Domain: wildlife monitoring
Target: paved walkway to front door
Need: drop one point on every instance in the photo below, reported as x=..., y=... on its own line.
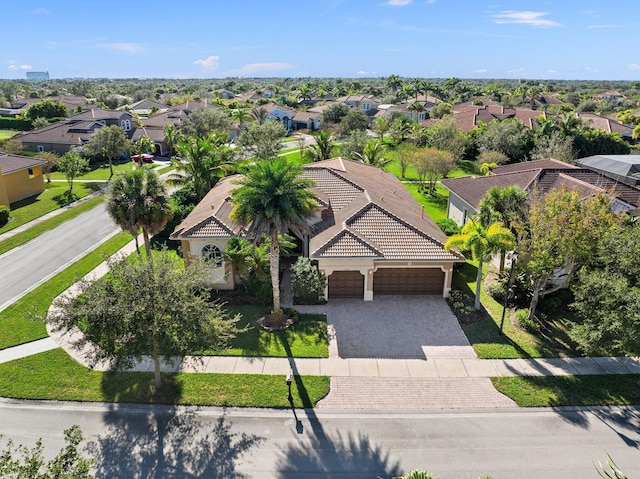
x=393, y=327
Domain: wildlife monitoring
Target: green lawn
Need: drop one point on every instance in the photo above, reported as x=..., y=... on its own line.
x=18, y=322
x=51, y=223
x=101, y=171
x=53, y=375
x=6, y=134
x=435, y=206
x=55, y=196
x=305, y=339
x=598, y=390
x=485, y=336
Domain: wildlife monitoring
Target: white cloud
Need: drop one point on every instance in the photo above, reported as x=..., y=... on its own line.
x=210, y=63
x=480, y=70
x=258, y=68
x=362, y=72
x=430, y=2
x=525, y=18
x=130, y=48
x=634, y=67
x=398, y=3
x=591, y=27
x=516, y=72
x=591, y=69
x=551, y=70
x=20, y=67
x=40, y=11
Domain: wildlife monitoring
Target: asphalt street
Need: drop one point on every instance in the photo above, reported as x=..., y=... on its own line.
x=25, y=267
x=168, y=442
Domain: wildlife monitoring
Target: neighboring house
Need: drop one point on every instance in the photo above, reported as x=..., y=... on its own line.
x=367, y=103
x=61, y=136
x=283, y=114
x=309, y=120
x=609, y=96
x=20, y=178
x=465, y=193
x=607, y=124
x=145, y=107
x=624, y=168
x=468, y=117
x=224, y=93
x=369, y=236
x=72, y=102
x=384, y=110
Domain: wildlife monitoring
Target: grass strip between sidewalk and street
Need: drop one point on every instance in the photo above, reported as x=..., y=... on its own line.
x=38, y=229
x=16, y=323
x=587, y=390
x=53, y=375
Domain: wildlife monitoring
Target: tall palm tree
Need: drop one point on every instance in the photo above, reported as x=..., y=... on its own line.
x=417, y=108
x=273, y=199
x=240, y=115
x=323, y=146
x=139, y=200
x=201, y=161
x=482, y=243
x=509, y=205
x=143, y=145
x=393, y=82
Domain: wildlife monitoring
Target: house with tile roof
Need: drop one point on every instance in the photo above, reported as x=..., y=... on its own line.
x=625, y=168
x=369, y=236
x=465, y=193
x=61, y=136
x=20, y=178
x=469, y=116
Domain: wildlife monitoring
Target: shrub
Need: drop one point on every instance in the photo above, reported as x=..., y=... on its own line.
x=448, y=226
x=496, y=290
x=307, y=282
x=530, y=325
x=4, y=215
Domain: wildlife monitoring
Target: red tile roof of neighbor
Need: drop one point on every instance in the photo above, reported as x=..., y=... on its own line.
x=545, y=175
x=371, y=214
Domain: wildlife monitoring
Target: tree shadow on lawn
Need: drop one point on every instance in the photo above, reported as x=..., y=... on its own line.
x=168, y=442
x=311, y=329
x=327, y=457
x=138, y=387
x=63, y=199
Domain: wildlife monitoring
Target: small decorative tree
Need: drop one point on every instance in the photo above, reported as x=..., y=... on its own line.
x=307, y=282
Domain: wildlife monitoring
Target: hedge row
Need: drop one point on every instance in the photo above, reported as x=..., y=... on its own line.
x=9, y=123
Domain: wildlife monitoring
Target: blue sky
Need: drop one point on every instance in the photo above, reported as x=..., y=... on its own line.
x=559, y=39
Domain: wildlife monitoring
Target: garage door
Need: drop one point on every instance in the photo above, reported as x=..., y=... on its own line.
x=346, y=284
x=408, y=281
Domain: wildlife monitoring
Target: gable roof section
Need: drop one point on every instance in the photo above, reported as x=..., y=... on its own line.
x=13, y=163
x=347, y=244
x=532, y=165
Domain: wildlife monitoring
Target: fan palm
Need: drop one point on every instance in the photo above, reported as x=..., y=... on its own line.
x=139, y=200
x=373, y=154
x=323, y=146
x=273, y=199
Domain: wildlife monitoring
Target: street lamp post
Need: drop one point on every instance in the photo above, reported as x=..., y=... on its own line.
x=507, y=288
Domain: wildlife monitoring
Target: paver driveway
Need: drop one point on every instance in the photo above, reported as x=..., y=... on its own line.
x=396, y=327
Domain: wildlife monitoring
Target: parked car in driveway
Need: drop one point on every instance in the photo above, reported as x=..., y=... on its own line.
x=142, y=158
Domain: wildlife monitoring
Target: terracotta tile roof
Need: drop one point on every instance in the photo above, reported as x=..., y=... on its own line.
x=347, y=244
x=366, y=213
x=395, y=238
x=13, y=163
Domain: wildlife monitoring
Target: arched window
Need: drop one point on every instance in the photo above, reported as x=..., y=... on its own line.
x=212, y=255
x=126, y=125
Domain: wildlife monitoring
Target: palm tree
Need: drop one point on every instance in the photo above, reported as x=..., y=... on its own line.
x=139, y=200
x=393, y=82
x=273, y=199
x=380, y=126
x=144, y=145
x=323, y=146
x=482, y=243
x=509, y=205
x=171, y=137
x=260, y=114
x=373, y=154
x=417, y=108
x=202, y=161
x=240, y=115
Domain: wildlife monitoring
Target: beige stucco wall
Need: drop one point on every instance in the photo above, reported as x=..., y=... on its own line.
x=19, y=185
x=4, y=197
x=221, y=277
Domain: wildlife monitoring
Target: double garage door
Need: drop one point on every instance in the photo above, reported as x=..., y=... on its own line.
x=350, y=284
